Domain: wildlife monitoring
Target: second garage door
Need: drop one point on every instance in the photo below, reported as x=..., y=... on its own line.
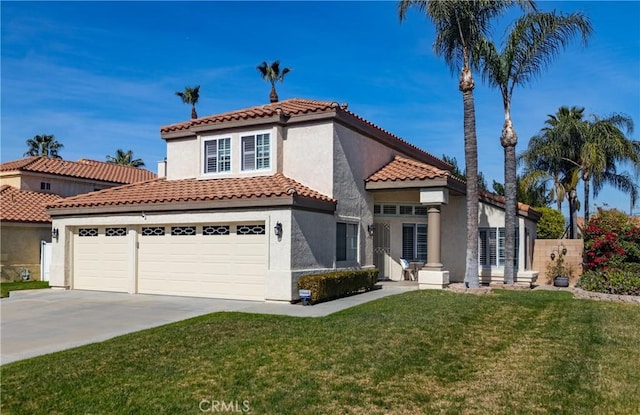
x=217, y=261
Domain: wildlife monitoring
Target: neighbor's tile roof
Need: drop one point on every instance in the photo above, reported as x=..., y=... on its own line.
x=401, y=168
x=289, y=107
x=191, y=190
x=500, y=200
x=22, y=206
x=83, y=168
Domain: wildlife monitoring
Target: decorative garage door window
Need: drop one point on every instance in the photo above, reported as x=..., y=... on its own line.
x=115, y=232
x=250, y=230
x=153, y=231
x=211, y=230
x=183, y=230
x=88, y=232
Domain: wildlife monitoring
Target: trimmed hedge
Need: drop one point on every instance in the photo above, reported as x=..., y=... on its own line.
x=338, y=284
x=611, y=282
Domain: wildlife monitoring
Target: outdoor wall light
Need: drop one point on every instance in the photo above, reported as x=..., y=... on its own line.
x=278, y=229
x=371, y=229
x=55, y=234
x=561, y=249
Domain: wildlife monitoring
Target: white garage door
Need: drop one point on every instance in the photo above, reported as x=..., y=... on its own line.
x=100, y=259
x=217, y=261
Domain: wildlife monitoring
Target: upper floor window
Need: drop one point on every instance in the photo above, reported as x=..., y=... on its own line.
x=45, y=186
x=256, y=152
x=217, y=155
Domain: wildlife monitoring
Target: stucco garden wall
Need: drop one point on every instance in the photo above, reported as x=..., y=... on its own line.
x=20, y=248
x=541, y=256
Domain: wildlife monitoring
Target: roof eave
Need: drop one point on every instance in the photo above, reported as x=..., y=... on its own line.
x=236, y=203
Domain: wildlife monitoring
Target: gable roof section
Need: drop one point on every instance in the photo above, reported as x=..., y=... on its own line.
x=22, y=206
x=523, y=209
x=82, y=169
x=402, y=172
x=401, y=168
x=164, y=193
x=294, y=108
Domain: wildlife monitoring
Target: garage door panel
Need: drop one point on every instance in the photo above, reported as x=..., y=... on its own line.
x=217, y=266
x=100, y=262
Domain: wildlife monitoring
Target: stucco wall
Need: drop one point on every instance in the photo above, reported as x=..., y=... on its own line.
x=454, y=237
x=62, y=186
x=20, y=248
x=183, y=158
x=542, y=251
x=313, y=237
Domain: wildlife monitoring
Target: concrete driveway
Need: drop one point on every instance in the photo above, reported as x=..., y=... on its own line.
x=38, y=322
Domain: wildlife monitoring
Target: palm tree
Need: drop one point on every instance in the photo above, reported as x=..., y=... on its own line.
x=272, y=74
x=125, y=158
x=44, y=145
x=532, y=42
x=190, y=96
x=460, y=27
x=587, y=150
x=550, y=152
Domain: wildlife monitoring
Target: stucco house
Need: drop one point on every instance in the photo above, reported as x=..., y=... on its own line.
x=252, y=199
x=27, y=186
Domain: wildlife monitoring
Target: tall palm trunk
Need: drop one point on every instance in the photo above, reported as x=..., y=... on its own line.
x=273, y=96
x=466, y=85
x=587, y=188
x=509, y=140
x=573, y=214
x=194, y=114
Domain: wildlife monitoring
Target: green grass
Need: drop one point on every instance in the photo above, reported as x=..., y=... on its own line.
x=5, y=287
x=422, y=352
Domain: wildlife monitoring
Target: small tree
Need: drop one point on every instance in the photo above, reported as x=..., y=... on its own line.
x=551, y=223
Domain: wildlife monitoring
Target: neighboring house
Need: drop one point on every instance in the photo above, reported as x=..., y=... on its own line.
x=255, y=198
x=25, y=223
x=27, y=186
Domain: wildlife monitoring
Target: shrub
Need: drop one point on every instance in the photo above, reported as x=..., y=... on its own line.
x=611, y=282
x=337, y=284
x=611, y=242
x=551, y=223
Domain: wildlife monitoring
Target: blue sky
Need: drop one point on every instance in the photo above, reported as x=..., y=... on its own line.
x=102, y=75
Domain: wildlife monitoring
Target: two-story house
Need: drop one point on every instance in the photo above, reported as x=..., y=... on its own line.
x=252, y=199
x=27, y=186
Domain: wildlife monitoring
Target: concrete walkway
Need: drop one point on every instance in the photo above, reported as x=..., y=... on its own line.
x=38, y=322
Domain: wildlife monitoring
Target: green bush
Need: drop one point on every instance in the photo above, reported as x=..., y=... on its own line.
x=611, y=282
x=550, y=225
x=337, y=284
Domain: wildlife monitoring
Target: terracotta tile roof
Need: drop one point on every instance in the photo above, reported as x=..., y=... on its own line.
x=401, y=168
x=500, y=200
x=290, y=107
x=22, y=206
x=191, y=190
x=83, y=168
x=294, y=106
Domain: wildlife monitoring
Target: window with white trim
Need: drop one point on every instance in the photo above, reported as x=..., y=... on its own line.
x=414, y=242
x=346, y=241
x=491, y=247
x=217, y=155
x=256, y=151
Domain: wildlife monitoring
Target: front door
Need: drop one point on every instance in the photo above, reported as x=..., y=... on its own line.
x=382, y=249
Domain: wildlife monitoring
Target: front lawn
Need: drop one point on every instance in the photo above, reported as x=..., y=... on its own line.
x=5, y=287
x=421, y=352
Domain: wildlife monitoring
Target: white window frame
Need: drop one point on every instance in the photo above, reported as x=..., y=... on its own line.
x=491, y=241
x=257, y=157
x=220, y=157
x=419, y=248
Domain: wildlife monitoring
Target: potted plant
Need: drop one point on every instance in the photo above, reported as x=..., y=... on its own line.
x=558, y=271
